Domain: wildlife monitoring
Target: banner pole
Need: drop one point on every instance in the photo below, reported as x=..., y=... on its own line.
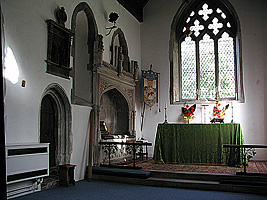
x=143, y=116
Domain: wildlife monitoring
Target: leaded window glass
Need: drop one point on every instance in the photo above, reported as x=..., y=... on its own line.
x=207, y=51
x=207, y=67
x=188, y=56
x=226, y=66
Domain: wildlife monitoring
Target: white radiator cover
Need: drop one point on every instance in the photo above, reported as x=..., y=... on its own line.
x=26, y=161
x=26, y=164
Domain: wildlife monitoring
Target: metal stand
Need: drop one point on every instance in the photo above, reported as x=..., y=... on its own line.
x=165, y=122
x=205, y=114
x=232, y=121
x=111, y=147
x=248, y=152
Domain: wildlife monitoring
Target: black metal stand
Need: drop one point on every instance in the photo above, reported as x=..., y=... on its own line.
x=248, y=152
x=111, y=147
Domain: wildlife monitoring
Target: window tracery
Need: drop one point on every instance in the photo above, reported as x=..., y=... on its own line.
x=205, y=53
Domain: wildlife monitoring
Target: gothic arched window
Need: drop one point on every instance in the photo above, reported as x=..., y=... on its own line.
x=205, y=52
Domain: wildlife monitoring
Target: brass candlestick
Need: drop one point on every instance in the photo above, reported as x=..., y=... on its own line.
x=165, y=122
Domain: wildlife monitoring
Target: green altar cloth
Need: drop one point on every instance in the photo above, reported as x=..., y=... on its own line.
x=198, y=143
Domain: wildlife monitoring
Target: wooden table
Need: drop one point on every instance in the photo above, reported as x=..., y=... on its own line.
x=133, y=145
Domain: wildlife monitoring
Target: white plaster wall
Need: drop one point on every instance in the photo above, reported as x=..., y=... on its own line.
x=155, y=35
x=252, y=114
x=26, y=35
x=81, y=133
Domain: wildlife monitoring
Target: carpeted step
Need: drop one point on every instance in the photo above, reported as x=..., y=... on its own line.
x=189, y=181
x=207, y=185
x=244, y=182
x=121, y=172
x=187, y=175
x=182, y=183
x=205, y=176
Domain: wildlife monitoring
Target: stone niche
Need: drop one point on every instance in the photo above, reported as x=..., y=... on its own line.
x=116, y=110
x=114, y=114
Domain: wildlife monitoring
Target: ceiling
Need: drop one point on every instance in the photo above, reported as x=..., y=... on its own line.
x=135, y=7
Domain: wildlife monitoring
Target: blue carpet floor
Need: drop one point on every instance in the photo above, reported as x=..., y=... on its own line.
x=101, y=190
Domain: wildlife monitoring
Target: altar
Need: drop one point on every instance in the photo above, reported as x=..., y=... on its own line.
x=198, y=144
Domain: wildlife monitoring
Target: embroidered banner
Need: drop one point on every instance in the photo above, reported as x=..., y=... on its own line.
x=150, y=87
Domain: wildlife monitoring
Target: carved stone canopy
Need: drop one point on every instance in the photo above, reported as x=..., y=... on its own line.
x=114, y=99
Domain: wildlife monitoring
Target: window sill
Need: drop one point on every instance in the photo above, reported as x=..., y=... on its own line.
x=205, y=101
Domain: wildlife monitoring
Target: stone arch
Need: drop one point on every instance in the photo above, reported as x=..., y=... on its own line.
x=63, y=110
x=82, y=67
x=115, y=111
x=92, y=34
x=120, y=91
x=119, y=35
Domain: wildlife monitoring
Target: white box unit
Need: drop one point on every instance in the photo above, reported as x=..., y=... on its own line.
x=26, y=162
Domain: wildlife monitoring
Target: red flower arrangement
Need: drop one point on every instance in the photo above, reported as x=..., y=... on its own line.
x=188, y=31
x=188, y=112
x=218, y=111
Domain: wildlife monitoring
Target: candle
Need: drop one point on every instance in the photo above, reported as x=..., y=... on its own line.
x=166, y=105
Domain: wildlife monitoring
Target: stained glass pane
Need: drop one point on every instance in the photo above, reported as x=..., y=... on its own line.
x=188, y=58
x=226, y=67
x=207, y=68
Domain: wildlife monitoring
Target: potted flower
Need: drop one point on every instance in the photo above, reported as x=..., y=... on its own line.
x=188, y=112
x=219, y=112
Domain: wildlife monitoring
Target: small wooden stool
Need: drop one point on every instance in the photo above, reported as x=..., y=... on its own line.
x=66, y=174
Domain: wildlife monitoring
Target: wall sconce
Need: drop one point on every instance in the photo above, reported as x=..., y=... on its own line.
x=112, y=19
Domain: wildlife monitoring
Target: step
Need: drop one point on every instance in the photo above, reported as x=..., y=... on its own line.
x=206, y=185
x=183, y=181
x=121, y=172
x=188, y=180
x=206, y=176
